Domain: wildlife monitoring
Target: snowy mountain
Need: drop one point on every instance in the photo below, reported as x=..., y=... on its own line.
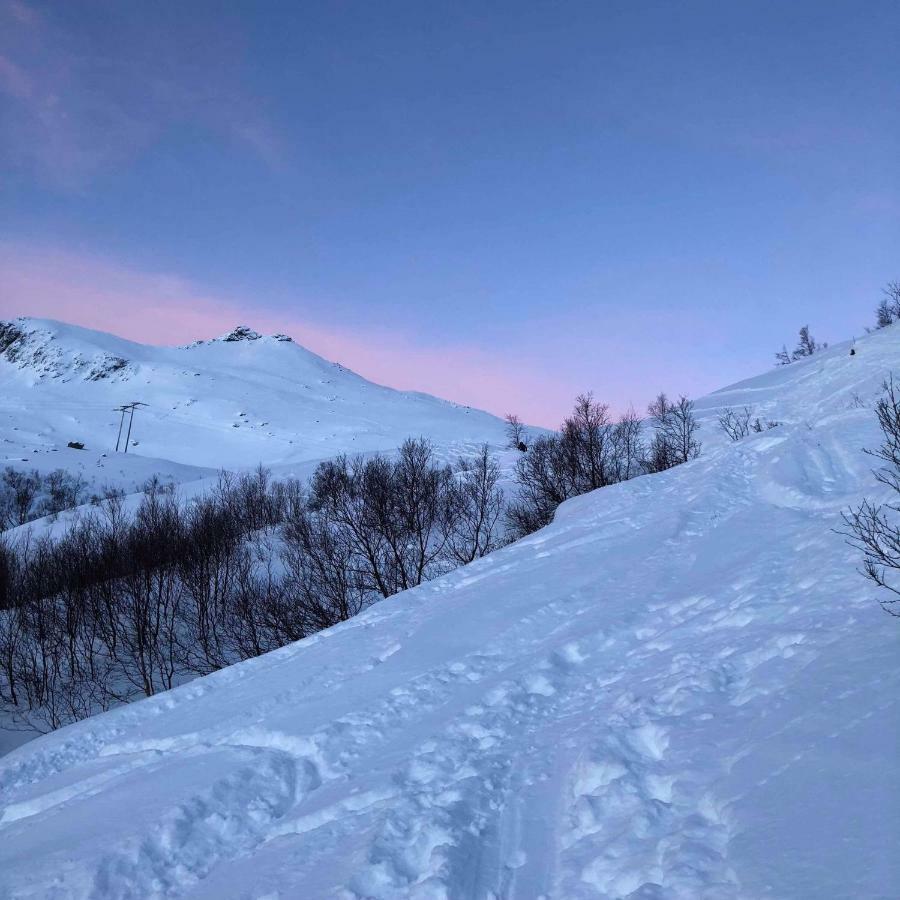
x=680, y=689
x=230, y=402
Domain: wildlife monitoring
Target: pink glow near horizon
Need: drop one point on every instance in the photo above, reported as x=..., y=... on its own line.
x=168, y=310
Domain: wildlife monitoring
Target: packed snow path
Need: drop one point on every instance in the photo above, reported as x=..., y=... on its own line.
x=681, y=689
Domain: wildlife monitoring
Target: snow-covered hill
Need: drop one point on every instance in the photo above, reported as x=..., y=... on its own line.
x=680, y=689
x=231, y=402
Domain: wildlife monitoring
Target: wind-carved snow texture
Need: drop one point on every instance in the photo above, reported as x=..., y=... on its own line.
x=680, y=689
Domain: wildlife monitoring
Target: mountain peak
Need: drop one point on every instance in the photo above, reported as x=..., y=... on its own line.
x=241, y=333
x=246, y=333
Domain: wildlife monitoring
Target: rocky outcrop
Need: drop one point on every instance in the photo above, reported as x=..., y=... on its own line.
x=38, y=350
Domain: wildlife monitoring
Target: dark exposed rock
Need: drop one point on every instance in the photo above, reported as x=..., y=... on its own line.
x=106, y=367
x=10, y=333
x=242, y=333
x=38, y=350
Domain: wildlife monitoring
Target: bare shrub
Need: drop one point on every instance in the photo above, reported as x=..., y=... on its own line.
x=477, y=509
x=888, y=310
x=871, y=527
x=20, y=491
x=515, y=432
x=737, y=424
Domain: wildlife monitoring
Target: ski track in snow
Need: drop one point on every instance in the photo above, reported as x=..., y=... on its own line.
x=680, y=689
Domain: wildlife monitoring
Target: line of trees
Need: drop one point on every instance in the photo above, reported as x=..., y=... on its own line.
x=592, y=451
x=133, y=599
x=129, y=603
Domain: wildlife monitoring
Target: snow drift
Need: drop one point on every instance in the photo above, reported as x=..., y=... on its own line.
x=680, y=689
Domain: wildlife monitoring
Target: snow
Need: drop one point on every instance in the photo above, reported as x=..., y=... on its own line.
x=680, y=689
x=231, y=403
x=228, y=403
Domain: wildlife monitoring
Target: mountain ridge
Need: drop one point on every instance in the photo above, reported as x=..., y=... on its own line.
x=232, y=401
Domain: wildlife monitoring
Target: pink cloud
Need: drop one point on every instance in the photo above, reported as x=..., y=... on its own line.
x=165, y=309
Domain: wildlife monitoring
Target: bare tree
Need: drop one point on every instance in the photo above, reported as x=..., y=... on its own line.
x=587, y=444
x=871, y=527
x=515, y=432
x=628, y=449
x=543, y=481
x=21, y=491
x=783, y=357
x=477, y=505
x=325, y=581
x=63, y=490
x=888, y=310
x=590, y=452
x=675, y=441
x=884, y=314
x=404, y=521
x=806, y=344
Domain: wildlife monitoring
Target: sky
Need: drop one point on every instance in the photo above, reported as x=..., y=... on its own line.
x=502, y=203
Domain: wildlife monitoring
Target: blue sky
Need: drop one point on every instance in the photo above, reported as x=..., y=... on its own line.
x=502, y=203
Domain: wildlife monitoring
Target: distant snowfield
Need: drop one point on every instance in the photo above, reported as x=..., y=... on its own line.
x=680, y=689
x=228, y=403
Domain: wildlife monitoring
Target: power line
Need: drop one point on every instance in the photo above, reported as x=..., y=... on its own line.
x=120, y=409
x=129, y=408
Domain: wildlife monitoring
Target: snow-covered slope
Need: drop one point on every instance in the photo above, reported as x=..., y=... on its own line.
x=680, y=689
x=234, y=401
